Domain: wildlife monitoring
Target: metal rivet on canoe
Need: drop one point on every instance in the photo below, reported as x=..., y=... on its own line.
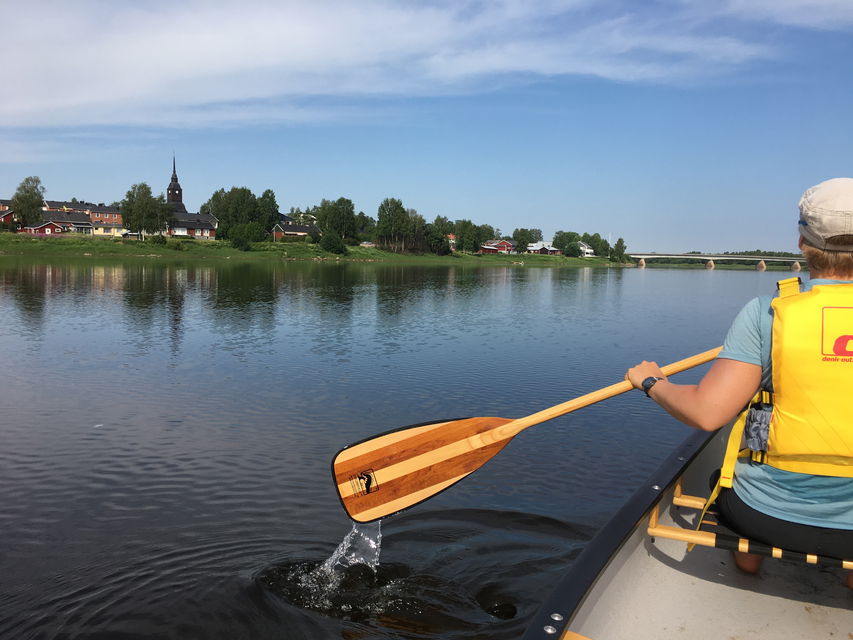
x=550, y=629
x=556, y=616
x=656, y=487
x=681, y=458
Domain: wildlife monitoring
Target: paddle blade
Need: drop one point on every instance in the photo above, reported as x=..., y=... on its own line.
x=397, y=470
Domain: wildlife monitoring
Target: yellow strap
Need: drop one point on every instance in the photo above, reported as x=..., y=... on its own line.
x=788, y=287
x=733, y=452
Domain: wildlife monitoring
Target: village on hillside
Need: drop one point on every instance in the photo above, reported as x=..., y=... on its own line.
x=62, y=217
x=58, y=217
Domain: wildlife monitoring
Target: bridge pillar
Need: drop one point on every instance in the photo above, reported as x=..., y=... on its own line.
x=642, y=263
x=796, y=267
x=761, y=266
x=710, y=264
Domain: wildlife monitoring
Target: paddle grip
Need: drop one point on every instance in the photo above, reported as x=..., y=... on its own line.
x=510, y=429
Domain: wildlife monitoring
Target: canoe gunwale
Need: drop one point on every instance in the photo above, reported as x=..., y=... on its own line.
x=556, y=612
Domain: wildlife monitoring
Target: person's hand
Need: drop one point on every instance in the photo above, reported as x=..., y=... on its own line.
x=637, y=374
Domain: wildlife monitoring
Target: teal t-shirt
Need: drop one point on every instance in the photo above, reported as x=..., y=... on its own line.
x=821, y=501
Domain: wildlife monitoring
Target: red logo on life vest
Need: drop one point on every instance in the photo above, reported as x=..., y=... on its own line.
x=837, y=334
x=842, y=346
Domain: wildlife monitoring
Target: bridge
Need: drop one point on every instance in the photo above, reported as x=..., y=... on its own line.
x=711, y=259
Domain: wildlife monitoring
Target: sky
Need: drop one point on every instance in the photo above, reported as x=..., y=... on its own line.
x=677, y=125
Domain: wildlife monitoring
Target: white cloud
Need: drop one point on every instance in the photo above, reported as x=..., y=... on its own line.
x=211, y=63
x=820, y=14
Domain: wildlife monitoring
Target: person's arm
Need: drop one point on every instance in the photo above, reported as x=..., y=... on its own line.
x=719, y=396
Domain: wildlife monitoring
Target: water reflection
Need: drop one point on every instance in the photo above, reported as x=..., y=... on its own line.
x=167, y=431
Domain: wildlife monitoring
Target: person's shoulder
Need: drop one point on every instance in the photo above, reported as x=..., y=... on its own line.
x=758, y=306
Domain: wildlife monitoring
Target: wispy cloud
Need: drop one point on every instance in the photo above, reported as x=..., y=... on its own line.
x=204, y=63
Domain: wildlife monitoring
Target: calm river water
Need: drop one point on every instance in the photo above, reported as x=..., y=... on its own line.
x=167, y=432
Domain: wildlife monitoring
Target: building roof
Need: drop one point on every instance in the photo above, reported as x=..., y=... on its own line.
x=74, y=218
x=537, y=246
x=63, y=205
x=43, y=223
x=296, y=228
x=194, y=220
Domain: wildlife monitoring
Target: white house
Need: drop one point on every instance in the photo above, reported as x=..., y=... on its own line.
x=586, y=250
x=544, y=248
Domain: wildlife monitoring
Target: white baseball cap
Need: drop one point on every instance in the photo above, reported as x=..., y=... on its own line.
x=826, y=213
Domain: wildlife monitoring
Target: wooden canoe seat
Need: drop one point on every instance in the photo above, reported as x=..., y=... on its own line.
x=711, y=533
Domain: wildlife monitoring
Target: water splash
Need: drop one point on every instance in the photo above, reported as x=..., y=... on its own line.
x=341, y=584
x=361, y=546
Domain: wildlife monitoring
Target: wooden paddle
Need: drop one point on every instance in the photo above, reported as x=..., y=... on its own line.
x=393, y=471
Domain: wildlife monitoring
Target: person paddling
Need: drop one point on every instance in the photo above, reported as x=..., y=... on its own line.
x=797, y=493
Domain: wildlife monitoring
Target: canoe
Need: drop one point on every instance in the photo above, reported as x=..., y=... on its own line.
x=628, y=584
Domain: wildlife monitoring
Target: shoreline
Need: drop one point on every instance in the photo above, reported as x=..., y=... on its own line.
x=76, y=246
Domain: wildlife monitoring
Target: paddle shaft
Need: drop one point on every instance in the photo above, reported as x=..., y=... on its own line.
x=396, y=470
x=511, y=429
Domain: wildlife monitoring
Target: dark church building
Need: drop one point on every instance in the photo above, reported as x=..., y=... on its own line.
x=187, y=225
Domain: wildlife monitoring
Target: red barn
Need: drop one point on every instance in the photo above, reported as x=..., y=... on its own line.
x=497, y=246
x=47, y=228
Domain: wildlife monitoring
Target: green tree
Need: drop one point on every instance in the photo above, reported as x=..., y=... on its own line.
x=617, y=254
x=332, y=243
x=236, y=206
x=562, y=239
x=436, y=241
x=442, y=225
x=522, y=238
x=215, y=205
x=599, y=245
x=486, y=232
x=365, y=226
x=467, y=236
x=28, y=201
x=573, y=249
x=141, y=211
x=243, y=234
x=267, y=210
x=337, y=216
x=391, y=224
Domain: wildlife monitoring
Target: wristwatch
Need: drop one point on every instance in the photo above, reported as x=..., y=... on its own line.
x=648, y=383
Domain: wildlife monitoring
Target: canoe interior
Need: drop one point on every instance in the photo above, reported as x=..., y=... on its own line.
x=626, y=585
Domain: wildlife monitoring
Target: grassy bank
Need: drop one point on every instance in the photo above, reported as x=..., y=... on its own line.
x=87, y=246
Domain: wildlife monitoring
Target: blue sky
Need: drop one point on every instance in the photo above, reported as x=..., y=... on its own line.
x=676, y=124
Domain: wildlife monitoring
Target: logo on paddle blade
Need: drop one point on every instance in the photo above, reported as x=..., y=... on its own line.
x=364, y=483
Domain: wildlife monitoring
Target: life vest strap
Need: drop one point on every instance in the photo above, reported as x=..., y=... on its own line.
x=789, y=286
x=733, y=452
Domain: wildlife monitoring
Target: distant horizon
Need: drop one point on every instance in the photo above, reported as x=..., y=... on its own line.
x=675, y=125
x=611, y=241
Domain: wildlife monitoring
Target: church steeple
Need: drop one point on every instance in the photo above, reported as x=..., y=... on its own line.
x=174, y=193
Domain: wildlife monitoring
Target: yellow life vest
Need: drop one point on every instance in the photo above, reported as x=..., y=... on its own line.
x=811, y=429
x=811, y=426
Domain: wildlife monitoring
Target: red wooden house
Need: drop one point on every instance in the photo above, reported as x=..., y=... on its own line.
x=45, y=228
x=497, y=246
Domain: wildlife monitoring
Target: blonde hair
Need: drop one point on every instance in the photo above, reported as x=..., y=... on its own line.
x=837, y=263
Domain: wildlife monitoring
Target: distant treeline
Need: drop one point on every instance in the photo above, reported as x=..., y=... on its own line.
x=755, y=252
x=244, y=218
x=395, y=228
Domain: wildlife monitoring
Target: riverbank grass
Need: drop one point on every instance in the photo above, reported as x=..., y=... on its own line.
x=75, y=245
